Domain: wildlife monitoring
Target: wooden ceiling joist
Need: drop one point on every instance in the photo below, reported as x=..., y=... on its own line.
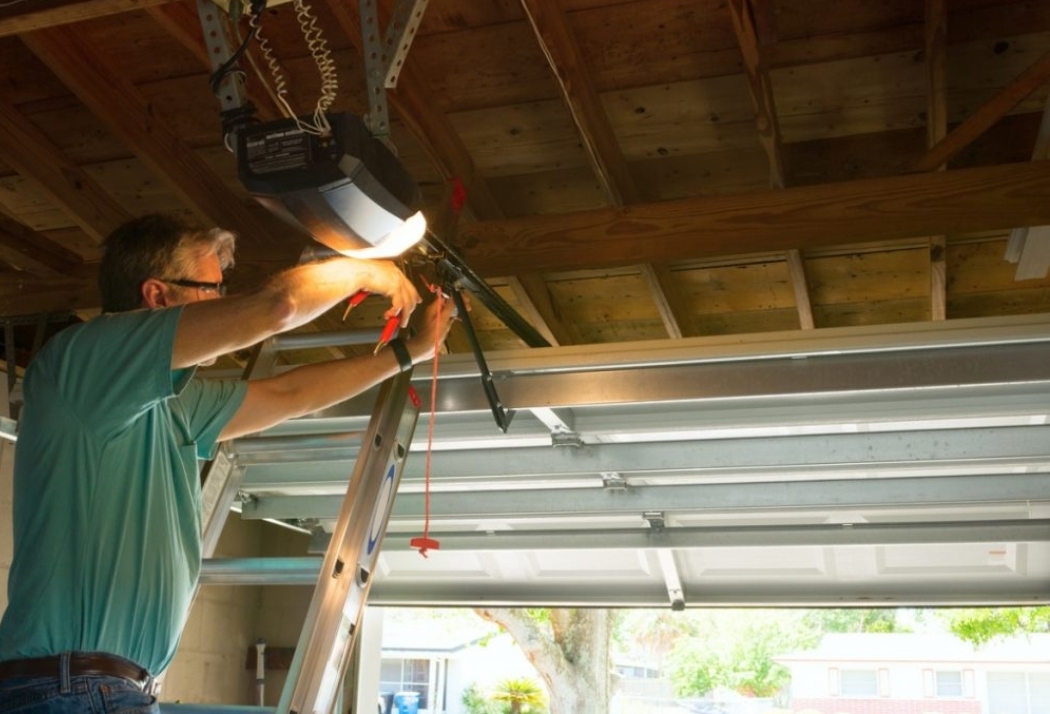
x=760, y=87
x=986, y=115
x=937, y=129
x=947, y=202
x=131, y=117
x=32, y=154
x=532, y=294
x=16, y=18
x=30, y=251
x=658, y=280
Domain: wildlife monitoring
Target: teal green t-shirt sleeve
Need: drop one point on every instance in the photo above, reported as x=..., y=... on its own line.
x=116, y=367
x=209, y=405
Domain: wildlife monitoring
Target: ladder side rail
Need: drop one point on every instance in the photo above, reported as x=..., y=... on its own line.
x=334, y=616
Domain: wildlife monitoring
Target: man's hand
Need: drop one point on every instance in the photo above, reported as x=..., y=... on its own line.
x=382, y=277
x=433, y=328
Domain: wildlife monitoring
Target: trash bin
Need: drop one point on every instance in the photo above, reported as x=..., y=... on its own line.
x=386, y=703
x=406, y=702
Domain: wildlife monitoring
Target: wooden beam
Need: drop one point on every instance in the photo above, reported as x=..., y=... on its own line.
x=936, y=130
x=30, y=153
x=946, y=202
x=133, y=120
x=28, y=250
x=16, y=18
x=578, y=92
x=29, y=295
x=765, y=22
x=986, y=115
x=664, y=296
x=760, y=87
x=533, y=294
x=430, y=127
x=800, y=285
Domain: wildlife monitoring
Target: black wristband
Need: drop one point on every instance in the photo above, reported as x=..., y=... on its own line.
x=404, y=359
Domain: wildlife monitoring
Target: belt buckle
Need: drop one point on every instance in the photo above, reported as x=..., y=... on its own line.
x=151, y=686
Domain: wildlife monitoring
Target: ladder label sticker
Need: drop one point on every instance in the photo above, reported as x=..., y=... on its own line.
x=379, y=513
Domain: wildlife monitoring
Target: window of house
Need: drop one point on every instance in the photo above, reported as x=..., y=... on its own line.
x=858, y=683
x=949, y=684
x=405, y=675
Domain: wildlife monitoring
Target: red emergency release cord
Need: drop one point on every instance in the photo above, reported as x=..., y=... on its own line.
x=425, y=542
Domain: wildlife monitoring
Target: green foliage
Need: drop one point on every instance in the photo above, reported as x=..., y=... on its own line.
x=510, y=696
x=981, y=625
x=853, y=620
x=522, y=695
x=735, y=650
x=476, y=702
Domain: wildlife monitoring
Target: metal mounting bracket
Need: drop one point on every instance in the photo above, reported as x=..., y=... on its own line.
x=385, y=54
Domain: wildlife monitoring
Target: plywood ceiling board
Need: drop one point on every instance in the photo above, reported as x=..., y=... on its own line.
x=725, y=289
x=662, y=178
x=522, y=138
x=882, y=312
x=806, y=18
x=693, y=40
x=555, y=191
x=742, y=323
x=977, y=268
x=143, y=51
x=845, y=158
x=683, y=118
x=486, y=67
x=79, y=134
x=868, y=277
x=1016, y=301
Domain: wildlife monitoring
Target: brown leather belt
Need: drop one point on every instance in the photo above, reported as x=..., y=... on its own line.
x=80, y=664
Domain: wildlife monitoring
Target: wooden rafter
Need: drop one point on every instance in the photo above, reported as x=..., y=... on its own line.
x=33, y=155
x=430, y=127
x=936, y=130
x=578, y=92
x=760, y=87
x=17, y=18
x=131, y=118
x=964, y=200
x=986, y=115
x=658, y=280
x=30, y=251
x=533, y=295
x=800, y=285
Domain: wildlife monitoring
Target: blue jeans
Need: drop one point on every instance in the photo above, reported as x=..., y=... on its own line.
x=80, y=695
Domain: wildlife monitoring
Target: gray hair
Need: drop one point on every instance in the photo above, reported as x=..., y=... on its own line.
x=155, y=246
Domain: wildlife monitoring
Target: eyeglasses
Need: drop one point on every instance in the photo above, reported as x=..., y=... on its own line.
x=219, y=288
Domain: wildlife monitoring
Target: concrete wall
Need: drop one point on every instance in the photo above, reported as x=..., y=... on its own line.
x=210, y=665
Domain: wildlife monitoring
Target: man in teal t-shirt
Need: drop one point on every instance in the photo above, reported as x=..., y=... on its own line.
x=107, y=494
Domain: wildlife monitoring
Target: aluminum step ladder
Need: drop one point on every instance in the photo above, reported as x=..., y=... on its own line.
x=334, y=617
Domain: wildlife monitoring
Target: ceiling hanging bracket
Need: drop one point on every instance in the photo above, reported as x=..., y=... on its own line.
x=385, y=54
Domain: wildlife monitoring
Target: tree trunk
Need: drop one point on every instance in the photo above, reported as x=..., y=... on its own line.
x=570, y=650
